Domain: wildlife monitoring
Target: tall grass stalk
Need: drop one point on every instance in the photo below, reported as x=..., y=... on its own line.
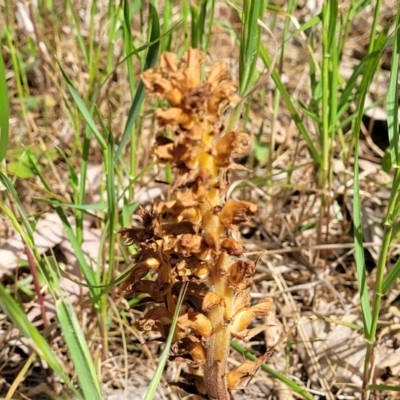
x=393, y=212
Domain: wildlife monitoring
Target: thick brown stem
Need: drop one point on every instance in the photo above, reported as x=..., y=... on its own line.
x=217, y=355
x=218, y=345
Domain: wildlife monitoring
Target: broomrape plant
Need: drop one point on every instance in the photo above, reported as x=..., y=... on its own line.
x=195, y=238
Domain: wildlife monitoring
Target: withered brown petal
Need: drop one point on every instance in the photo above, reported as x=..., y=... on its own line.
x=232, y=143
x=168, y=62
x=219, y=72
x=193, y=59
x=192, y=384
x=210, y=301
x=135, y=235
x=241, y=274
x=221, y=95
x=232, y=247
x=195, y=322
x=164, y=153
x=154, y=319
x=190, y=345
x=238, y=376
x=243, y=317
x=190, y=243
x=179, y=228
x=151, y=288
x=174, y=117
x=156, y=84
x=235, y=211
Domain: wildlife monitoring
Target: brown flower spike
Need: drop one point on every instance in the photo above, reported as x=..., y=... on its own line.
x=195, y=237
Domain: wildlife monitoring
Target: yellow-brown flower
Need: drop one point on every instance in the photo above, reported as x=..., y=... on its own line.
x=195, y=237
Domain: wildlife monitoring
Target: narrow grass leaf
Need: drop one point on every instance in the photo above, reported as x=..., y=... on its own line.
x=151, y=59
x=4, y=111
x=164, y=356
x=128, y=45
x=75, y=339
x=392, y=99
x=384, y=388
x=391, y=277
x=393, y=127
x=82, y=207
x=24, y=218
x=250, y=43
x=18, y=316
x=83, y=109
x=307, y=25
x=369, y=72
x=359, y=249
x=294, y=114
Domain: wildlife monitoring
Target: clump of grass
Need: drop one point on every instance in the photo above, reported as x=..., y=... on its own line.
x=194, y=238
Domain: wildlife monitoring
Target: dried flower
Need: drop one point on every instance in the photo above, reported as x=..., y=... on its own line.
x=195, y=237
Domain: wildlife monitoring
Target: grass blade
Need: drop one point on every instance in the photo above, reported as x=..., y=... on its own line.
x=151, y=59
x=83, y=109
x=250, y=43
x=4, y=111
x=13, y=311
x=164, y=356
x=76, y=342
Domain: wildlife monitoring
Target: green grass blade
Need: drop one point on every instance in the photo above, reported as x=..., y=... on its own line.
x=128, y=45
x=18, y=316
x=250, y=43
x=294, y=114
x=151, y=59
x=28, y=236
x=83, y=109
x=392, y=100
x=384, y=388
x=164, y=356
x=359, y=249
x=391, y=277
x=393, y=127
x=75, y=339
x=4, y=111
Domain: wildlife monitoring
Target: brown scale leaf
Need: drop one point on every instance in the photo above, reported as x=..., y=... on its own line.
x=179, y=228
x=141, y=269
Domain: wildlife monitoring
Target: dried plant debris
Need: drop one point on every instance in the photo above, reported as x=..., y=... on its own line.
x=195, y=237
